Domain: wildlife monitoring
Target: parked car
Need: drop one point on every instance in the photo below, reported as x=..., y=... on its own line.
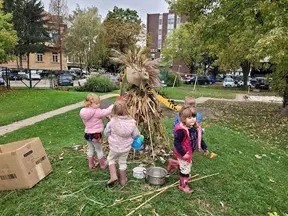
x=262, y=85
x=1, y=80
x=202, y=80
x=64, y=80
x=34, y=76
x=229, y=82
x=190, y=80
x=15, y=76
x=218, y=78
x=82, y=82
x=211, y=79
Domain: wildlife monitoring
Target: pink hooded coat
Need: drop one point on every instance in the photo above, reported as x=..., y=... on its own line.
x=92, y=118
x=121, y=131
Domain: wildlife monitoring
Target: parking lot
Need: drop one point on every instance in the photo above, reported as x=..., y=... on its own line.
x=44, y=83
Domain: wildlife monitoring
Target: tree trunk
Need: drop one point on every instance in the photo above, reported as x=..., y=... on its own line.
x=285, y=100
x=28, y=61
x=245, y=69
x=21, y=62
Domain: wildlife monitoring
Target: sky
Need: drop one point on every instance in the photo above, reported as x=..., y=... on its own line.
x=142, y=7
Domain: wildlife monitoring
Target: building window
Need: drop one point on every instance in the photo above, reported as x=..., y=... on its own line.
x=24, y=58
x=53, y=36
x=161, y=20
x=54, y=57
x=160, y=32
x=171, y=18
x=39, y=57
x=159, y=44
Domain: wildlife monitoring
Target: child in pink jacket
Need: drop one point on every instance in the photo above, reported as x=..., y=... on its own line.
x=92, y=117
x=121, y=131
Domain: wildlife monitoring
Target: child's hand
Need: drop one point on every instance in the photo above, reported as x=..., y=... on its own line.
x=186, y=156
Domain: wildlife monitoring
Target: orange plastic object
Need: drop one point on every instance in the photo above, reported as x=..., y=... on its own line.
x=213, y=155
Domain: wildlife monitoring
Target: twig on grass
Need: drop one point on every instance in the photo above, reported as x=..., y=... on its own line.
x=81, y=209
x=145, y=202
x=164, y=189
x=145, y=194
x=69, y=195
x=94, y=201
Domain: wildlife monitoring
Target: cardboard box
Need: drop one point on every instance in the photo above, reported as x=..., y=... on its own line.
x=23, y=164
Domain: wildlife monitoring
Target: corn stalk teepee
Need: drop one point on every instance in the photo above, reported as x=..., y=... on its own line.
x=142, y=75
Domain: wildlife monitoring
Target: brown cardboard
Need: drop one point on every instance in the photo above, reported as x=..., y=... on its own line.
x=23, y=164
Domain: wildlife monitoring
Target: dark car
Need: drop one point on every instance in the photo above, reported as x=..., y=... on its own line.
x=202, y=80
x=64, y=80
x=15, y=76
x=262, y=85
x=211, y=79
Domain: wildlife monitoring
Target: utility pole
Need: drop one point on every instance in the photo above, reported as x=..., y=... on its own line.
x=59, y=35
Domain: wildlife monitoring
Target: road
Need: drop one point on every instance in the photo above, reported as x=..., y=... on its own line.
x=44, y=83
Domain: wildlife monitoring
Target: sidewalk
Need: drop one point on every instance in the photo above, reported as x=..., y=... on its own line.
x=30, y=121
x=239, y=98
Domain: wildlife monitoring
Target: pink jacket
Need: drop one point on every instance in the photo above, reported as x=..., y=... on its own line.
x=92, y=118
x=121, y=131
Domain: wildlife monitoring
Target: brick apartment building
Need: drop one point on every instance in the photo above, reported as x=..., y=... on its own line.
x=160, y=26
x=49, y=60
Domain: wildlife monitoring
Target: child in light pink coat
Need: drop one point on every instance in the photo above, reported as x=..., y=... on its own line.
x=121, y=131
x=92, y=117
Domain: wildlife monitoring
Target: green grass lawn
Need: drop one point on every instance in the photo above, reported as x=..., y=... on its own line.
x=213, y=91
x=17, y=105
x=245, y=186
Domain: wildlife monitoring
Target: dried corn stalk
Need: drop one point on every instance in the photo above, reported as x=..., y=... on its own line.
x=141, y=99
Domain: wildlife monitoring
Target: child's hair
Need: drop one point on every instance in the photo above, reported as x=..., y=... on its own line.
x=120, y=109
x=90, y=99
x=187, y=112
x=190, y=101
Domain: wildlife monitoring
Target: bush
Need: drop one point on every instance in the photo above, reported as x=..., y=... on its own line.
x=171, y=78
x=98, y=84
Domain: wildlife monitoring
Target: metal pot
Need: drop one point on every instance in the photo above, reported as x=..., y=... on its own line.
x=75, y=148
x=155, y=175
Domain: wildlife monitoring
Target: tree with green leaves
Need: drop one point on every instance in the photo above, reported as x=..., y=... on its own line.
x=122, y=28
x=86, y=36
x=59, y=9
x=29, y=22
x=8, y=36
x=232, y=28
x=184, y=44
x=242, y=33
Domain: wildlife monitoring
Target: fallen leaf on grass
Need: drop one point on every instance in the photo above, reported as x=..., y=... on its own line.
x=258, y=156
x=70, y=172
x=213, y=155
x=222, y=204
x=271, y=180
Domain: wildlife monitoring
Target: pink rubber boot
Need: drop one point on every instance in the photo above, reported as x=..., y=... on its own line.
x=113, y=174
x=183, y=185
x=91, y=162
x=172, y=164
x=103, y=163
